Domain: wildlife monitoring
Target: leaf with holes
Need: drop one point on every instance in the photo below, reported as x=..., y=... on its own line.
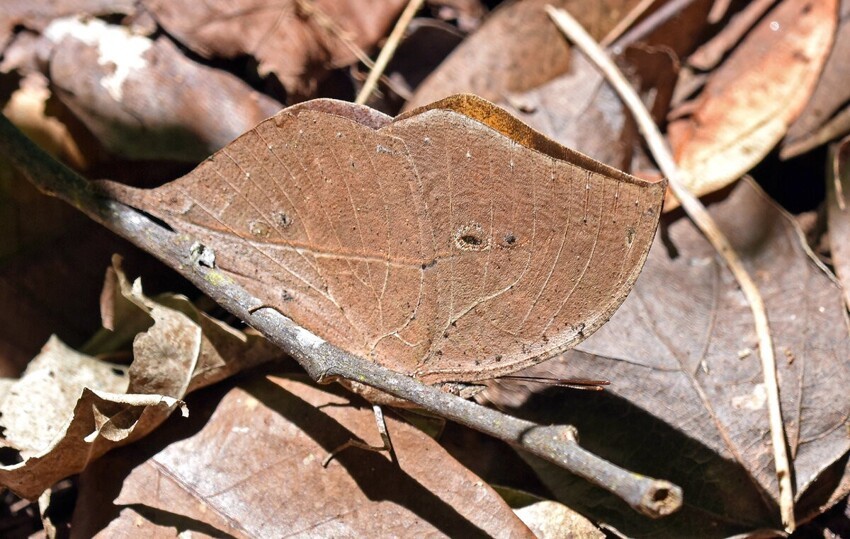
x=452, y=243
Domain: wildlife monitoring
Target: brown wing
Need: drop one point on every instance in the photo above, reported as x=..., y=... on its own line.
x=435, y=245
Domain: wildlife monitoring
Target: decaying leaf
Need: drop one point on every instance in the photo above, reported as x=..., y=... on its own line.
x=254, y=469
x=37, y=15
x=751, y=99
x=452, y=243
x=826, y=116
x=82, y=423
x=549, y=519
x=69, y=408
x=143, y=98
x=686, y=381
x=297, y=40
x=515, y=50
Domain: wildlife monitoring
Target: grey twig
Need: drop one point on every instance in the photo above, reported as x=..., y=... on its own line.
x=323, y=361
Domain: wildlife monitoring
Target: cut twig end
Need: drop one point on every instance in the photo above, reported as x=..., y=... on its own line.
x=661, y=499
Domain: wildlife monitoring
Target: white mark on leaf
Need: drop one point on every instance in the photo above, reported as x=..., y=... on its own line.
x=751, y=401
x=115, y=46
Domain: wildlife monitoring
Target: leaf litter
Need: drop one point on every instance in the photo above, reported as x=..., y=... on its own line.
x=712, y=488
x=269, y=434
x=69, y=408
x=681, y=349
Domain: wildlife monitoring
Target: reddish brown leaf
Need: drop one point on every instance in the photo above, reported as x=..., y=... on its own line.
x=144, y=99
x=254, y=469
x=681, y=353
x=297, y=40
x=517, y=49
x=826, y=116
x=452, y=243
x=751, y=99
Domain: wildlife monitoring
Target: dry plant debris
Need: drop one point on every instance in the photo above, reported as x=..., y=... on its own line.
x=445, y=240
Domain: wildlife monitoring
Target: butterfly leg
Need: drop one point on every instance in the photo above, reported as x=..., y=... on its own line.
x=385, y=438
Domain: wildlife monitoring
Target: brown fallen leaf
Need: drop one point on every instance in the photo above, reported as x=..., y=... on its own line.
x=296, y=40
x=549, y=519
x=81, y=424
x=142, y=98
x=68, y=408
x=452, y=243
x=254, y=469
x=515, y=50
x=712, y=52
x=27, y=110
x=36, y=16
x=750, y=100
x=685, y=378
x=826, y=116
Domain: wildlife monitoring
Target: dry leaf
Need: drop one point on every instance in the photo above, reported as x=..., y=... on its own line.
x=681, y=355
x=37, y=15
x=826, y=115
x=68, y=409
x=452, y=243
x=26, y=109
x=143, y=98
x=751, y=99
x=515, y=50
x=254, y=469
x=549, y=519
x=296, y=40
x=59, y=423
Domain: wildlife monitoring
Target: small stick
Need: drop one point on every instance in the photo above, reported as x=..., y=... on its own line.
x=701, y=218
x=648, y=25
x=323, y=361
x=388, y=50
x=626, y=23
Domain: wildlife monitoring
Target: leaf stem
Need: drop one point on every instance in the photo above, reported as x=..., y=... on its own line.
x=324, y=362
x=701, y=218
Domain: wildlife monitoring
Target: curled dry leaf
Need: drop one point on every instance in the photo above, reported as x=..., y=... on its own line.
x=142, y=98
x=750, y=100
x=297, y=40
x=826, y=115
x=680, y=354
x=70, y=408
x=58, y=423
x=452, y=243
x=254, y=469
